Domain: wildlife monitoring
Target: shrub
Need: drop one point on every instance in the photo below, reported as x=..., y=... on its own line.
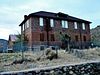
x=50, y=54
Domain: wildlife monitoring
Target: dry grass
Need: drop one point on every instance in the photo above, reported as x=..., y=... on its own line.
x=91, y=54
x=63, y=58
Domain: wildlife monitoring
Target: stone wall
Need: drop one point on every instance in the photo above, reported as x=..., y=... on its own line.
x=79, y=69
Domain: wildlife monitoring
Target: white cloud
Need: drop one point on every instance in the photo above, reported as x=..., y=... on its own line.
x=4, y=32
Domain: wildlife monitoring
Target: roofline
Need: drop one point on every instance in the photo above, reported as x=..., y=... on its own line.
x=33, y=14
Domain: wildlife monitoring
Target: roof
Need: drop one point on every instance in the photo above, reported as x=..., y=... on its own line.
x=3, y=40
x=13, y=38
x=58, y=15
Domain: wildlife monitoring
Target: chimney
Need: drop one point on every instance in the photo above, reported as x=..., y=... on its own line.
x=25, y=16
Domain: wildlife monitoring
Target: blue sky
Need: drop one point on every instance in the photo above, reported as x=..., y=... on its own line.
x=12, y=12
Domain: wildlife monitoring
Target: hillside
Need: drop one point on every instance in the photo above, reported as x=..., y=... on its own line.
x=95, y=36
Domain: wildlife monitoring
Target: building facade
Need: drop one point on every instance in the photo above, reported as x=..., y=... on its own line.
x=42, y=29
x=11, y=41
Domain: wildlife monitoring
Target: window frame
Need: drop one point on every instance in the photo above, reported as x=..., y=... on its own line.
x=76, y=38
x=41, y=23
x=84, y=38
x=83, y=26
x=52, y=22
x=64, y=23
x=52, y=37
x=28, y=23
x=41, y=37
x=75, y=25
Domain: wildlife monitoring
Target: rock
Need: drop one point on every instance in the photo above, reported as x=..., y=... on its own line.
x=70, y=67
x=52, y=72
x=65, y=69
x=71, y=72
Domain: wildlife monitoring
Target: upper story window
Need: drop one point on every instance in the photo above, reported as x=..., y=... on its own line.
x=22, y=27
x=83, y=26
x=27, y=23
x=75, y=25
x=64, y=24
x=52, y=22
x=41, y=21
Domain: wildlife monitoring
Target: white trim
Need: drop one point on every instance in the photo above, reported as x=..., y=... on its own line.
x=52, y=22
x=41, y=21
x=64, y=24
x=75, y=25
x=83, y=26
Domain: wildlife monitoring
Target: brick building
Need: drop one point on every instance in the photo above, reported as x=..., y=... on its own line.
x=33, y=27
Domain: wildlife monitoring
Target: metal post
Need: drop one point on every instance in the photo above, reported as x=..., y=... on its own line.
x=22, y=42
x=56, y=52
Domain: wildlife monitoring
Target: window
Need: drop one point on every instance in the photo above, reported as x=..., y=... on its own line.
x=64, y=24
x=52, y=22
x=22, y=27
x=41, y=21
x=83, y=26
x=84, y=38
x=27, y=22
x=52, y=37
x=25, y=25
x=41, y=37
x=75, y=25
x=76, y=38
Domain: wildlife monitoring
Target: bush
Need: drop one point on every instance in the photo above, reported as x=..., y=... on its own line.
x=50, y=54
x=47, y=51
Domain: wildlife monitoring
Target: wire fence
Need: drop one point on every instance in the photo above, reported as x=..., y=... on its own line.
x=12, y=59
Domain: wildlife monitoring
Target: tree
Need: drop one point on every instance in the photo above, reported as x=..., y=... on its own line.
x=65, y=41
x=95, y=36
x=22, y=40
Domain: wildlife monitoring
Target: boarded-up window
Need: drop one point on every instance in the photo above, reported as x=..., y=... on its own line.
x=52, y=37
x=84, y=38
x=76, y=38
x=41, y=37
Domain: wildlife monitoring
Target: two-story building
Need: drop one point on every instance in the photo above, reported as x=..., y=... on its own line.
x=34, y=27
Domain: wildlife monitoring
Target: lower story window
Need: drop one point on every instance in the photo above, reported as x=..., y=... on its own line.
x=41, y=37
x=76, y=38
x=84, y=38
x=52, y=37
